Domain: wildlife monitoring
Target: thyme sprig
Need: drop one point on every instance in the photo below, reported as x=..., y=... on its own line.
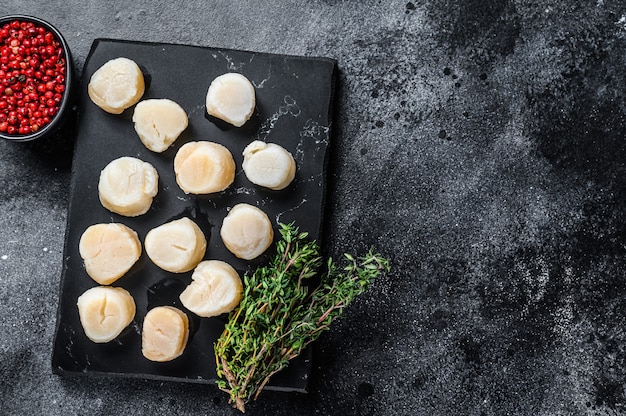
x=279, y=315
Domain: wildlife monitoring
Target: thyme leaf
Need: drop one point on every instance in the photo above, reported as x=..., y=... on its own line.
x=280, y=314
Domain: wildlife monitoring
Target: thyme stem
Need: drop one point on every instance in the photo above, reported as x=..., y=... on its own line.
x=279, y=315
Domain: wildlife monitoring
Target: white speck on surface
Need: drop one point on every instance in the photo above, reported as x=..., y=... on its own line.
x=291, y=209
x=259, y=85
x=290, y=108
x=231, y=64
x=4, y=257
x=244, y=190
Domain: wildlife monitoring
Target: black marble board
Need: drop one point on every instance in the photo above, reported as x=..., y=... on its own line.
x=294, y=102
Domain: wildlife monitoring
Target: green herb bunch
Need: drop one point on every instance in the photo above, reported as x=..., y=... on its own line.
x=279, y=315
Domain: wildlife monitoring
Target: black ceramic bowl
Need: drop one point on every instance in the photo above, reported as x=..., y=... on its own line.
x=65, y=105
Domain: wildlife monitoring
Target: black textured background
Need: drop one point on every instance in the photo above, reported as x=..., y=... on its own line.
x=479, y=145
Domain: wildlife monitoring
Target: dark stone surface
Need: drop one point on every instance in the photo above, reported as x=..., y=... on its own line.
x=479, y=145
x=294, y=103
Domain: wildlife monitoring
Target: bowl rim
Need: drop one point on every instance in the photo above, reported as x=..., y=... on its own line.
x=58, y=118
